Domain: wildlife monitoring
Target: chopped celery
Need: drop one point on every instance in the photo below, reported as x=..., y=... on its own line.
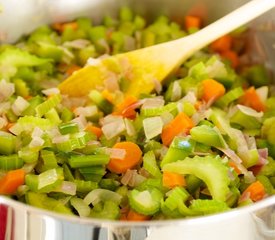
x=257, y=75
x=106, y=210
x=176, y=196
x=103, y=104
x=7, y=143
x=244, y=120
x=179, y=149
x=67, y=128
x=206, y=135
x=145, y=202
x=269, y=189
x=193, y=183
x=205, y=206
x=46, y=106
x=102, y=195
x=209, y=169
x=94, y=173
x=43, y=201
x=28, y=155
x=268, y=129
x=34, y=102
x=109, y=184
x=150, y=164
x=10, y=162
x=229, y=97
x=49, y=159
x=21, y=88
x=85, y=186
x=77, y=161
x=80, y=206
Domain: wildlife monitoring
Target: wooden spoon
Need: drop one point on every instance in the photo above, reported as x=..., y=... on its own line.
x=143, y=67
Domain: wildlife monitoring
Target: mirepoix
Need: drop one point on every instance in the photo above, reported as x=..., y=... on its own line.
x=201, y=143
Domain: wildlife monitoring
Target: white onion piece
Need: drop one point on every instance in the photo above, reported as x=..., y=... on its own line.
x=113, y=128
x=262, y=92
x=19, y=105
x=109, y=119
x=166, y=117
x=157, y=86
x=37, y=132
x=67, y=188
x=176, y=91
x=249, y=111
x=152, y=127
x=7, y=89
x=61, y=138
x=51, y=91
x=4, y=107
x=130, y=129
x=190, y=97
x=263, y=155
x=16, y=129
x=28, y=167
x=153, y=102
x=216, y=69
x=129, y=43
x=132, y=178
x=36, y=142
x=77, y=44
x=86, y=111
x=116, y=153
x=111, y=82
x=80, y=121
x=98, y=195
x=93, y=61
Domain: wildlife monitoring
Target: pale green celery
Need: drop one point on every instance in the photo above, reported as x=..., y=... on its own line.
x=46, y=106
x=80, y=206
x=21, y=88
x=268, y=130
x=209, y=169
x=28, y=155
x=85, y=186
x=41, y=200
x=206, y=135
x=179, y=149
x=34, y=102
x=53, y=116
x=94, y=173
x=229, y=97
x=206, y=206
x=151, y=112
x=10, y=162
x=49, y=159
x=81, y=161
x=109, y=184
x=146, y=202
x=269, y=189
x=269, y=168
x=245, y=121
x=7, y=143
x=67, y=128
x=176, y=196
x=150, y=164
x=123, y=191
x=106, y=210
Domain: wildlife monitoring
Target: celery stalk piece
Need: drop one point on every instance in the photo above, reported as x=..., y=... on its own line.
x=85, y=186
x=67, y=128
x=80, y=161
x=206, y=135
x=46, y=106
x=103, y=104
x=101, y=195
x=176, y=196
x=43, y=201
x=10, y=162
x=209, y=169
x=7, y=143
x=146, y=202
x=80, y=206
x=106, y=210
x=206, y=206
x=150, y=164
x=49, y=159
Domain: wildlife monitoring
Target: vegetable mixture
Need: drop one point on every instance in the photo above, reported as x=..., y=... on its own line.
x=201, y=143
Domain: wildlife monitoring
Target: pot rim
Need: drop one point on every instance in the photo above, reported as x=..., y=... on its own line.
x=154, y=223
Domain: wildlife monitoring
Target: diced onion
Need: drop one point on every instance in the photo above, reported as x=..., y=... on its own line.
x=36, y=142
x=152, y=127
x=130, y=129
x=176, y=91
x=80, y=121
x=153, y=102
x=77, y=44
x=61, y=138
x=116, y=153
x=51, y=91
x=37, y=132
x=98, y=195
x=67, y=187
x=249, y=111
x=113, y=128
x=4, y=107
x=3, y=122
x=19, y=105
x=7, y=89
x=86, y=111
x=132, y=178
x=262, y=93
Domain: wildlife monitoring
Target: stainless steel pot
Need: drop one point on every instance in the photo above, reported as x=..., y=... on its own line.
x=22, y=222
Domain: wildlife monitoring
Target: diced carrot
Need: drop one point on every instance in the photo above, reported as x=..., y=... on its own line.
x=72, y=25
x=192, y=22
x=180, y=124
x=130, y=160
x=232, y=57
x=134, y=216
x=28, y=97
x=256, y=191
x=93, y=129
x=72, y=69
x=57, y=27
x=11, y=181
x=171, y=180
x=212, y=90
x=222, y=44
x=235, y=167
x=252, y=99
x=127, y=107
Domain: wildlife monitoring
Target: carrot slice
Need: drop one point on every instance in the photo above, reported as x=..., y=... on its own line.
x=11, y=181
x=134, y=216
x=180, y=124
x=171, y=180
x=212, y=90
x=232, y=57
x=252, y=99
x=95, y=130
x=131, y=159
x=192, y=22
x=255, y=190
x=127, y=107
x=222, y=44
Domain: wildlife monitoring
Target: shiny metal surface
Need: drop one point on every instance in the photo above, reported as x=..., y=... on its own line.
x=22, y=222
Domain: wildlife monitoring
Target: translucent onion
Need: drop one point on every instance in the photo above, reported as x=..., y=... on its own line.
x=116, y=153
x=249, y=111
x=80, y=206
x=153, y=102
x=113, y=128
x=262, y=93
x=77, y=44
x=67, y=187
x=130, y=129
x=19, y=105
x=86, y=111
x=132, y=178
x=152, y=127
x=51, y=91
x=7, y=89
x=96, y=196
x=36, y=142
x=3, y=122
